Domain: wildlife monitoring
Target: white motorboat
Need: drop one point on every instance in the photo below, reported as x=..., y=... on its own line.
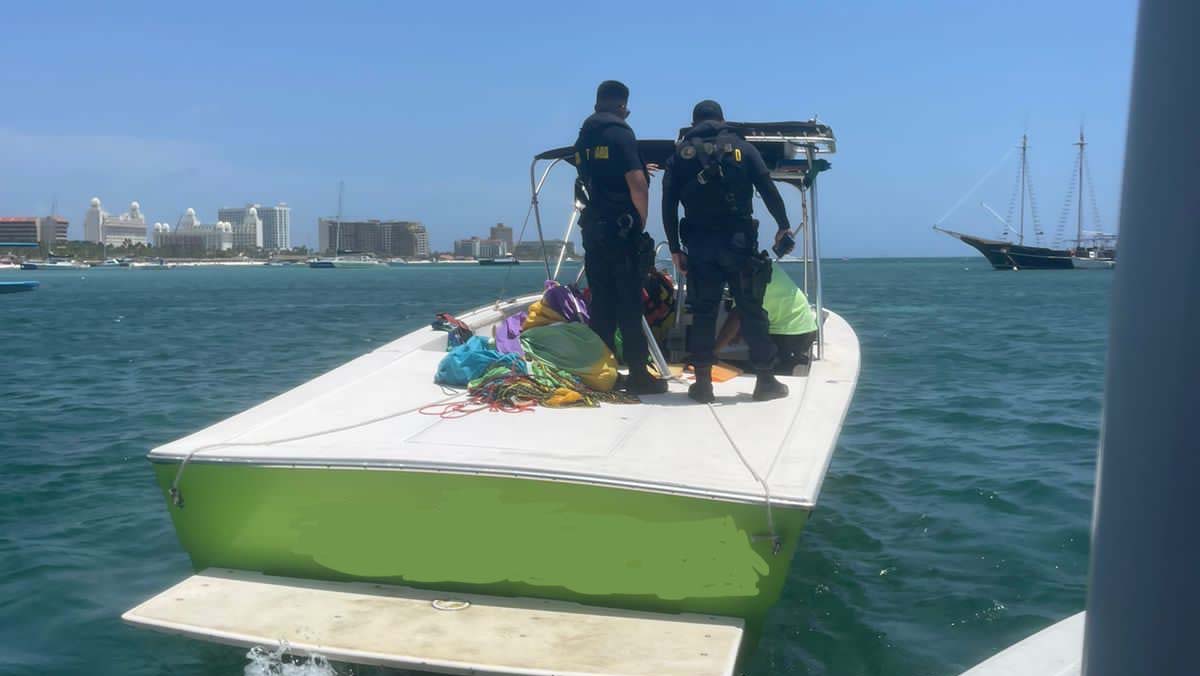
x=347, y=261
x=159, y=264
x=60, y=264
x=1094, y=260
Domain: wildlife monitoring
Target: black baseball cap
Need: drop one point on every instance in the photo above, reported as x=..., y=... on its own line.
x=707, y=110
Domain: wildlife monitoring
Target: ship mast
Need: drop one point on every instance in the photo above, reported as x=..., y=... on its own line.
x=1079, y=217
x=1024, y=169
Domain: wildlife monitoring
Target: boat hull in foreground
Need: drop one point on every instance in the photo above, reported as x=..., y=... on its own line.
x=663, y=506
x=596, y=545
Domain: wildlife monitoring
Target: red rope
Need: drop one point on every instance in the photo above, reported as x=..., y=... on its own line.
x=461, y=409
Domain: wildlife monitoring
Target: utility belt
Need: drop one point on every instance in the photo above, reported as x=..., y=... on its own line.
x=623, y=231
x=731, y=224
x=623, y=225
x=737, y=239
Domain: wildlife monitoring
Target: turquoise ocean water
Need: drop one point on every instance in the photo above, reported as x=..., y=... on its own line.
x=954, y=519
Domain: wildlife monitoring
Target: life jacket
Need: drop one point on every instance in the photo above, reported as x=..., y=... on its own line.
x=715, y=183
x=459, y=331
x=599, y=189
x=658, y=303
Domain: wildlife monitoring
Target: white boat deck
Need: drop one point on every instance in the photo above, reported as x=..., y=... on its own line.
x=366, y=414
x=1054, y=651
x=406, y=628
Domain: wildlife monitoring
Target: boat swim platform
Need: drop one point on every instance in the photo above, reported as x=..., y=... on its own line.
x=405, y=628
x=368, y=415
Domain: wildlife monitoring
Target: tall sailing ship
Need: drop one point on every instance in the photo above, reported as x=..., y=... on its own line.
x=1091, y=248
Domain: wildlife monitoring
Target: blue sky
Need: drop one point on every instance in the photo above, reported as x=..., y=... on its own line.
x=432, y=111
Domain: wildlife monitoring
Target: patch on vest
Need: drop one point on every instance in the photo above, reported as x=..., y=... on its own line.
x=687, y=152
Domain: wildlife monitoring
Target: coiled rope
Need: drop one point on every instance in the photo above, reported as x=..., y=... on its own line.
x=508, y=389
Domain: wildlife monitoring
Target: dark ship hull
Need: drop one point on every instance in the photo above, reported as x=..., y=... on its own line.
x=1009, y=256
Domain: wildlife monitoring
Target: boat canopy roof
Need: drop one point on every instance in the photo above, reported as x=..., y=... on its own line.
x=777, y=141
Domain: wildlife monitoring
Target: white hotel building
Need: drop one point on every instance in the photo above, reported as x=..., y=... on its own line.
x=270, y=227
x=127, y=229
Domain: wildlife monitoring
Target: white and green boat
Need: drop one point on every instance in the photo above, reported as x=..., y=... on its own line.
x=347, y=261
x=666, y=510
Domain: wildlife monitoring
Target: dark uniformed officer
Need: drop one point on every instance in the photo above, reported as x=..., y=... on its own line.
x=714, y=173
x=613, y=186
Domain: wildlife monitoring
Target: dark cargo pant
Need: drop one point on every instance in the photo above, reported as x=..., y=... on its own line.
x=716, y=258
x=615, y=279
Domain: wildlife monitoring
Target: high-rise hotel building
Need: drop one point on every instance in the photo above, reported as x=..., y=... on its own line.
x=267, y=228
x=405, y=239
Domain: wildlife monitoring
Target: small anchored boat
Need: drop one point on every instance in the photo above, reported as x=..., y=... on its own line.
x=622, y=539
x=504, y=260
x=343, y=258
x=347, y=261
x=159, y=264
x=61, y=264
x=17, y=287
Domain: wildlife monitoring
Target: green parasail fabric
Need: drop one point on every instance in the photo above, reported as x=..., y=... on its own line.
x=574, y=348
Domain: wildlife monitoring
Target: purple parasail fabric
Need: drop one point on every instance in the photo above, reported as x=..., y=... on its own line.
x=508, y=335
x=566, y=301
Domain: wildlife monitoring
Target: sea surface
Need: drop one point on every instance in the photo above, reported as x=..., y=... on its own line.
x=953, y=522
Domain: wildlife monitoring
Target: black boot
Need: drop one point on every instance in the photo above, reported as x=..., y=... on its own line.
x=641, y=382
x=702, y=390
x=767, y=387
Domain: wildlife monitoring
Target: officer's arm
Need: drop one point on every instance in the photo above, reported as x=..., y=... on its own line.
x=639, y=191
x=767, y=189
x=625, y=150
x=670, y=211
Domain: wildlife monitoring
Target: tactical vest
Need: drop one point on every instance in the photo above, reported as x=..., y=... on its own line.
x=716, y=187
x=602, y=193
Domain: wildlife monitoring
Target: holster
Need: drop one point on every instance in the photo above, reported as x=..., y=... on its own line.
x=758, y=274
x=645, y=254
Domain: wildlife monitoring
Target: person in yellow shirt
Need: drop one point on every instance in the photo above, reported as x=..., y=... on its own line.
x=792, y=324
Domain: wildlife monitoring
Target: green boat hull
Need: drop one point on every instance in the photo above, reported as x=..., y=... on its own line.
x=589, y=544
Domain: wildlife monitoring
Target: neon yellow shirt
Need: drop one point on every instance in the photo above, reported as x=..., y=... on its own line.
x=786, y=305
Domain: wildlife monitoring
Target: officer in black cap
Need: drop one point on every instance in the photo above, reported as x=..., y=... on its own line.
x=714, y=172
x=613, y=186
